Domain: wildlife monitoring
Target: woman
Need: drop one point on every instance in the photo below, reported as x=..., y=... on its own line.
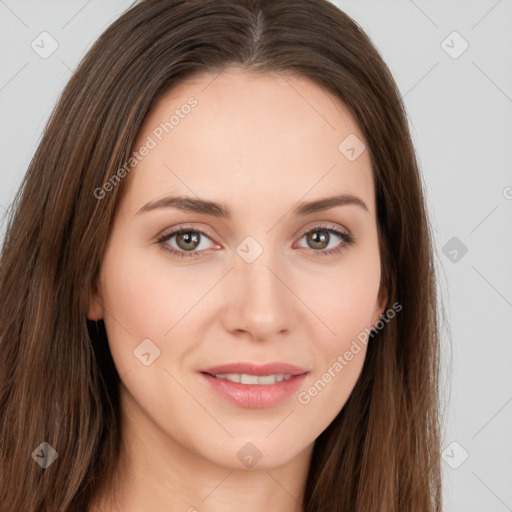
x=170, y=340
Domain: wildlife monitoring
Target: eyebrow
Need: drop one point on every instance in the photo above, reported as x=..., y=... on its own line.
x=214, y=209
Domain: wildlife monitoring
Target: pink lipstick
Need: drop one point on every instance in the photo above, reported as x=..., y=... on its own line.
x=255, y=386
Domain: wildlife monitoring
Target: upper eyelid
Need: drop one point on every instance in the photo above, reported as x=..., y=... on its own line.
x=172, y=232
x=324, y=225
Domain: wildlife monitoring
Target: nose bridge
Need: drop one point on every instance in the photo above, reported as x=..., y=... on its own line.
x=258, y=300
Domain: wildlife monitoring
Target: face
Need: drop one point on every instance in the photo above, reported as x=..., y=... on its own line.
x=266, y=278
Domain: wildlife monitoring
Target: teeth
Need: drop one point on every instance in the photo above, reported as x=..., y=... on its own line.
x=233, y=377
x=243, y=378
x=249, y=379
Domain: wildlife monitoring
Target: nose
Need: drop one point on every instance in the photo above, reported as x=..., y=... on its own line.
x=259, y=299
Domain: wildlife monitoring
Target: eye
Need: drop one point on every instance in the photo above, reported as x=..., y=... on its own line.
x=187, y=240
x=322, y=237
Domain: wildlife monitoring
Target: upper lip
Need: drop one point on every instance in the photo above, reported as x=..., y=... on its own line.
x=255, y=369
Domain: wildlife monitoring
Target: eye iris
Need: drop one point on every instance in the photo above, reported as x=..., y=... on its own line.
x=188, y=238
x=318, y=237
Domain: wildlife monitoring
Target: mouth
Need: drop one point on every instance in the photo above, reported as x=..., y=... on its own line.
x=245, y=378
x=255, y=386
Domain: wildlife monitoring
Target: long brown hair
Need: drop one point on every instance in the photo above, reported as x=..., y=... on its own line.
x=58, y=383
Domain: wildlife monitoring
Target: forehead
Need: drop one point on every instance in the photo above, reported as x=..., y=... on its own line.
x=248, y=135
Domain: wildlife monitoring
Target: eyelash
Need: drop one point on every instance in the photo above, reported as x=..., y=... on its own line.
x=347, y=240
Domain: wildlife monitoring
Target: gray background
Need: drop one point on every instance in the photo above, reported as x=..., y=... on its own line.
x=459, y=107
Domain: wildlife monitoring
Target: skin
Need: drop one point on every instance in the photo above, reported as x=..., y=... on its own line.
x=260, y=144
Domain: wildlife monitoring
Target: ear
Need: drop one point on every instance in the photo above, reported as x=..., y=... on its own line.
x=95, y=302
x=380, y=305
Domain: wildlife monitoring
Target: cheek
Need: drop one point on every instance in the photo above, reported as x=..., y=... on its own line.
x=139, y=303
x=346, y=299
x=146, y=297
x=346, y=304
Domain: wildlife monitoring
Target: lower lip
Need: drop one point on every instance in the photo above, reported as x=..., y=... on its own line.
x=255, y=395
